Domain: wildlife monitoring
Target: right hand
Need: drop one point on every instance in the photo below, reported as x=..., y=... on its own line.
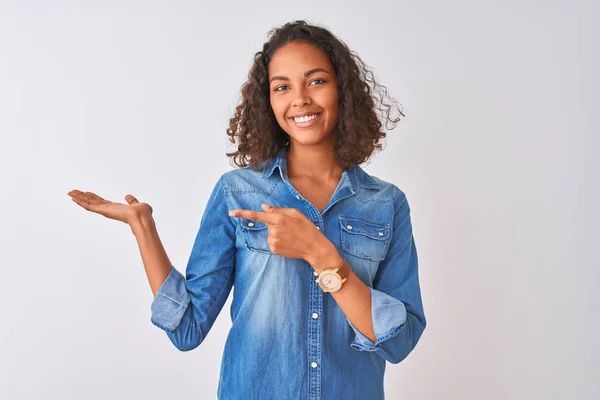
x=127, y=213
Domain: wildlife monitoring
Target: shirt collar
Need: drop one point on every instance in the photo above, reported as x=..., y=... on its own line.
x=356, y=175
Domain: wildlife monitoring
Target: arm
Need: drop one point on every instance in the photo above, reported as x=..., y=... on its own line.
x=186, y=307
x=155, y=259
x=398, y=316
x=392, y=311
x=354, y=298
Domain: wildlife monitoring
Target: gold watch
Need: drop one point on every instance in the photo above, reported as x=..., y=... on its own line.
x=330, y=280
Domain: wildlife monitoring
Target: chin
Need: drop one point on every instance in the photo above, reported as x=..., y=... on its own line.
x=306, y=140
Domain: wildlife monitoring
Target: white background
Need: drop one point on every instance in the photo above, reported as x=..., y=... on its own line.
x=495, y=157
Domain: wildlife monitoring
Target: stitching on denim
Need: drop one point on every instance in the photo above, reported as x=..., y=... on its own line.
x=253, y=190
x=242, y=191
x=365, y=221
x=247, y=235
x=373, y=257
x=357, y=252
x=357, y=233
x=174, y=298
x=256, y=249
x=257, y=227
x=372, y=184
x=169, y=329
x=390, y=335
x=362, y=347
x=374, y=200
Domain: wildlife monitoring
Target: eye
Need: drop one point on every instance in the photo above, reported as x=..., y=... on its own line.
x=279, y=87
x=317, y=80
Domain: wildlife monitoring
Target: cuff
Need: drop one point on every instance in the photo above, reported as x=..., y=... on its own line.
x=170, y=302
x=389, y=317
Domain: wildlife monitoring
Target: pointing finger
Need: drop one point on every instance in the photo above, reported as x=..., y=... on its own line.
x=254, y=215
x=292, y=212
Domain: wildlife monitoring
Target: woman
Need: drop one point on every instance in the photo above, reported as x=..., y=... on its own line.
x=320, y=254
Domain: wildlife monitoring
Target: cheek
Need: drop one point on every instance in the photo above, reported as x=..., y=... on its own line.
x=278, y=110
x=333, y=105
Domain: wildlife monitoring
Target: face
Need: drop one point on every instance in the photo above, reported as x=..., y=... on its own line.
x=304, y=93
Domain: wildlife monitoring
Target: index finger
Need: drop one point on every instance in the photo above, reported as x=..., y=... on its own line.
x=254, y=215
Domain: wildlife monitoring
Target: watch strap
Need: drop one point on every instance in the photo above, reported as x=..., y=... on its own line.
x=338, y=270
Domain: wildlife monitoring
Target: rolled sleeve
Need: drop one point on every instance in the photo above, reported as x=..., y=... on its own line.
x=170, y=302
x=389, y=316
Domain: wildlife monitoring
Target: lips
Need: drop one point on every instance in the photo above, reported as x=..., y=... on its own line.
x=304, y=123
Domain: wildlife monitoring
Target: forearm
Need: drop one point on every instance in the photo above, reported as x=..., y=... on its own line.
x=354, y=298
x=155, y=259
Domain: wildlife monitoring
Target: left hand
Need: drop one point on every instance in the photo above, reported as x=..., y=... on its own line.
x=290, y=233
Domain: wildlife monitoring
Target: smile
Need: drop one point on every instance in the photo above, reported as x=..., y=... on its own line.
x=306, y=121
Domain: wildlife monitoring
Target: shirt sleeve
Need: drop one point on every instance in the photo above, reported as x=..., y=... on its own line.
x=186, y=307
x=396, y=305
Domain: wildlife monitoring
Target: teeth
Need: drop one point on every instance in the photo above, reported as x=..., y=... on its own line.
x=305, y=118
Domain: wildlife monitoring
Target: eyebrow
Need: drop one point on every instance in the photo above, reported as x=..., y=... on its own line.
x=307, y=73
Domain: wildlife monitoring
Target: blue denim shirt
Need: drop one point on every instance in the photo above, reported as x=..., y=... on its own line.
x=289, y=339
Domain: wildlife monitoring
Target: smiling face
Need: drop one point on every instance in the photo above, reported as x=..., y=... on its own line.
x=304, y=93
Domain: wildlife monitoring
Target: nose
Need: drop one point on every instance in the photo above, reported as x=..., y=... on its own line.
x=302, y=98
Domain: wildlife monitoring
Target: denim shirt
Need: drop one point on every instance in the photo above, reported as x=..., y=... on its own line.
x=289, y=339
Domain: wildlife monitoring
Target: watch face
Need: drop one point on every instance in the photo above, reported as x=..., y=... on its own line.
x=330, y=281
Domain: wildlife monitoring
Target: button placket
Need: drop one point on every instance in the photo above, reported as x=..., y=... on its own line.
x=315, y=337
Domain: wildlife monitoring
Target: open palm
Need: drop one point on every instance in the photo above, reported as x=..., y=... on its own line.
x=121, y=212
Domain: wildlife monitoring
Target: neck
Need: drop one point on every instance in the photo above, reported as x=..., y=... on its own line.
x=315, y=162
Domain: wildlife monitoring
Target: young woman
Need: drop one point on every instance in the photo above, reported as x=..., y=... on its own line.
x=320, y=254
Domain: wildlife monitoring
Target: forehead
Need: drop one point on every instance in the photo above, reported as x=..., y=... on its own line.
x=297, y=57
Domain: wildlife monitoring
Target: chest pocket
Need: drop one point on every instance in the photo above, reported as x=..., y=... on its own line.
x=365, y=239
x=255, y=235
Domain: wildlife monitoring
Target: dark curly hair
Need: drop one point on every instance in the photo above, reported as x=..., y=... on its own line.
x=359, y=130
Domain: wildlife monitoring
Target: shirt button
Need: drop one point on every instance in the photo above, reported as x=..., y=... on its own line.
x=315, y=315
x=313, y=364
x=298, y=197
x=315, y=273
x=380, y=233
x=250, y=223
x=349, y=226
x=318, y=228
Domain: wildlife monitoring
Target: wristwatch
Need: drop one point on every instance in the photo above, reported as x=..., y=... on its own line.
x=330, y=280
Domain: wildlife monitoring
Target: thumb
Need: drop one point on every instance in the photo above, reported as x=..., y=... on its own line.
x=130, y=199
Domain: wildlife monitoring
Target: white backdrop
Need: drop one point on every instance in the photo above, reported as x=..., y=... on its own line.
x=495, y=157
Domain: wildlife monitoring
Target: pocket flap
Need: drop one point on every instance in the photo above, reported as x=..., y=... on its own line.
x=374, y=230
x=252, y=225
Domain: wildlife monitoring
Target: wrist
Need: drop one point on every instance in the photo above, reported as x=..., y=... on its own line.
x=142, y=223
x=324, y=256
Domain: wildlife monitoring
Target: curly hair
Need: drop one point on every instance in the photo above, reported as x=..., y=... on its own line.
x=358, y=130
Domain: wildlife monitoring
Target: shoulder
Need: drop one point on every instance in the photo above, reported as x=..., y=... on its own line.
x=375, y=189
x=245, y=179
x=379, y=188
